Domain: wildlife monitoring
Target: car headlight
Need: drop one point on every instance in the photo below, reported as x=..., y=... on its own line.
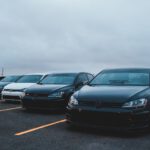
x=136, y=103
x=73, y=101
x=57, y=94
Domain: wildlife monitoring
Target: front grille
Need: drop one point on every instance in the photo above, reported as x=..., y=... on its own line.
x=11, y=97
x=111, y=105
x=37, y=95
x=100, y=104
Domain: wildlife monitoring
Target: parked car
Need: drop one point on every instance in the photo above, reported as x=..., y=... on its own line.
x=54, y=91
x=15, y=91
x=114, y=99
x=7, y=80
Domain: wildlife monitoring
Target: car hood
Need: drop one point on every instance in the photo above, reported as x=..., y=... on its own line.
x=18, y=86
x=116, y=94
x=44, y=89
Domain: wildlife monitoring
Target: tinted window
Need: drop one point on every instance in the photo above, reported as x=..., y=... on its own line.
x=10, y=79
x=30, y=79
x=90, y=77
x=121, y=78
x=82, y=78
x=59, y=79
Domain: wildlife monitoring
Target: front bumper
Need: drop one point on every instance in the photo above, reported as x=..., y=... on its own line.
x=12, y=96
x=109, y=118
x=43, y=103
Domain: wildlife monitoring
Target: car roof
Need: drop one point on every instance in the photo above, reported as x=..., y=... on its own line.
x=75, y=73
x=35, y=74
x=25, y=74
x=127, y=69
x=49, y=73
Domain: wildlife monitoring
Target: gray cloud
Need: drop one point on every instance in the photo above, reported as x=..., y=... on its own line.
x=89, y=35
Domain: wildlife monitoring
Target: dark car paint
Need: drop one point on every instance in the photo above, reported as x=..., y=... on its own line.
x=45, y=88
x=108, y=119
x=102, y=106
x=120, y=94
x=37, y=96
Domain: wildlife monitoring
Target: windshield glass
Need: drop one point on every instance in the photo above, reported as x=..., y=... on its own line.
x=29, y=79
x=59, y=79
x=121, y=78
x=10, y=79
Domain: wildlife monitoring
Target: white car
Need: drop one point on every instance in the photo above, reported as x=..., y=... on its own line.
x=15, y=91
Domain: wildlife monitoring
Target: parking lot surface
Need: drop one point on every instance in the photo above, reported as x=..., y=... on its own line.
x=22, y=130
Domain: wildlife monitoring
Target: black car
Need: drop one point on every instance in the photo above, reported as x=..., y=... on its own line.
x=7, y=80
x=54, y=91
x=114, y=99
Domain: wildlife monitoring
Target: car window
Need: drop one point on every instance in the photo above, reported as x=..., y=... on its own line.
x=59, y=79
x=30, y=79
x=90, y=77
x=82, y=78
x=123, y=78
x=10, y=79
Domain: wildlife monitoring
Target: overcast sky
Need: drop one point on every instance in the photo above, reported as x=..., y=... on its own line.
x=84, y=35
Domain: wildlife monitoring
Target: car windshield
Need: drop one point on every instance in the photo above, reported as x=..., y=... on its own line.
x=59, y=79
x=121, y=78
x=10, y=79
x=29, y=79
